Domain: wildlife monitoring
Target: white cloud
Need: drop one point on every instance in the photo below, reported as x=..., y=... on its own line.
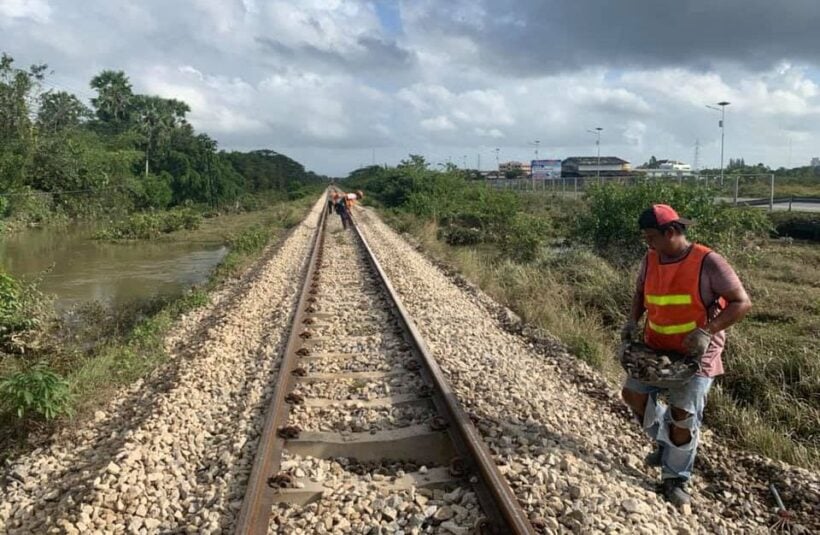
x=321, y=79
x=36, y=10
x=437, y=124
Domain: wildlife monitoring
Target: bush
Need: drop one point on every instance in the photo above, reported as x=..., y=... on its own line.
x=150, y=225
x=458, y=235
x=524, y=236
x=37, y=390
x=23, y=310
x=250, y=240
x=611, y=222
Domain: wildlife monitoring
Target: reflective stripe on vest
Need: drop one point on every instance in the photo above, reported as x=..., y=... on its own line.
x=674, y=307
x=673, y=329
x=681, y=299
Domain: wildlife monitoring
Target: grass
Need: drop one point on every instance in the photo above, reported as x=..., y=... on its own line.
x=767, y=402
x=99, y=350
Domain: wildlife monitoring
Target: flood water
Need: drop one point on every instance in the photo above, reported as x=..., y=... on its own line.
x=75, y=268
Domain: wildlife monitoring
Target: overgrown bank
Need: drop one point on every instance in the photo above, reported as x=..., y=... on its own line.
x=64, y=366
x=569, y=267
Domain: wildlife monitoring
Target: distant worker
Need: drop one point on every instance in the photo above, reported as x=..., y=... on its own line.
x=343, y=208
x=331, y=201
x=353, y=197
x=691, y=296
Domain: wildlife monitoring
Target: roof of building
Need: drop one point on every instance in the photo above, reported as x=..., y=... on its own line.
x=593, y=160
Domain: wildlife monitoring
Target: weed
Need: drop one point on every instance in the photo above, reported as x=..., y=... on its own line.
x=39, y=390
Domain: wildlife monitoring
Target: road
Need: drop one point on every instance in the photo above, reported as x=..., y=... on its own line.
x=779, y=206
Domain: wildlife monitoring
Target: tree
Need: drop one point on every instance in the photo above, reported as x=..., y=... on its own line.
x=414, y=160
x=60, y=110
x=16, y=136
x=113, y=103
x=155, y=118
x=651, y=164
x=515, y=172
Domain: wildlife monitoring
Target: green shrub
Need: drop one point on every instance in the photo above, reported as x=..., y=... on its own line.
x=250, y=240
x=458, y=235
x=611, y=221
x=150, y=225
x=37, y=390
x=23, y=309
x=523, y=237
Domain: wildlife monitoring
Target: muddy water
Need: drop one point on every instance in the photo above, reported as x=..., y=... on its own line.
x=75, y=268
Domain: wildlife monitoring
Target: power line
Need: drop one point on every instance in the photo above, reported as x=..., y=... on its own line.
x=62, y=192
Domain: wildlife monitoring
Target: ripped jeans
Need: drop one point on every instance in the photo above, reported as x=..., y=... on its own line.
x=677, y=461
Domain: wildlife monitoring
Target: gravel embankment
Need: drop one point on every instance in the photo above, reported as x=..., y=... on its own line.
x=563, y=440
x=171, y=453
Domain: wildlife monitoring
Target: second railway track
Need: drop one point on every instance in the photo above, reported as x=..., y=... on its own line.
x=363, y=434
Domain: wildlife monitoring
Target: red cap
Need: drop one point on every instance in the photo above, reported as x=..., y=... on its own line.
x=665, y=214
x=660, y=215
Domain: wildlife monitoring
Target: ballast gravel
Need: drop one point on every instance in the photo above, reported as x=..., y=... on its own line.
x=171, y=453
x=358, y=497
x=559, y=434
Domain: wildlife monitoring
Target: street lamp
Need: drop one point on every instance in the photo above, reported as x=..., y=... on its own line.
x=722, y=123
x=597, y=132
x=532, y=174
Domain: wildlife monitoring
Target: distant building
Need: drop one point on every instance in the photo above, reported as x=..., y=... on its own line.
x=669, y=168
x=590, y=166
x=815, y=162
x=525, y=167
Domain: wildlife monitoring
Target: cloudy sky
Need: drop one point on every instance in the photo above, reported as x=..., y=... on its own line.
x=335, y=83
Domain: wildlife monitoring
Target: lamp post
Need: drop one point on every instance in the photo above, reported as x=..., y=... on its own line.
x=532, y=174
x=722, y=125
x=597, y=132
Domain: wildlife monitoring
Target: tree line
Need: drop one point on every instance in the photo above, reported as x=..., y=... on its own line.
x=125, y=150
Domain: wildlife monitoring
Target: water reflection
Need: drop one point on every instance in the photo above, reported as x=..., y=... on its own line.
x=76, y=268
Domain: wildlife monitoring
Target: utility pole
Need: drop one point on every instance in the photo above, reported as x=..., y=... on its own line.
x=597, y=132
x=478, y=162
x=497, y=161
x=374, y=157
x=722, y=125
x=696, y=162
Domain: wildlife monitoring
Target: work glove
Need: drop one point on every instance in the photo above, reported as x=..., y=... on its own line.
x=628, y=331
x=696, y=342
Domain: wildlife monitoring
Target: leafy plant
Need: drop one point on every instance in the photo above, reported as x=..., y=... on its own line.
x=610, y=224
x=39, y=390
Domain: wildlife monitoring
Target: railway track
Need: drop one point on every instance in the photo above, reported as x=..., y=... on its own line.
x=362, y=431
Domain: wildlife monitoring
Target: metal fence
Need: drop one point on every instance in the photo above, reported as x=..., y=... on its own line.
x=749, y=190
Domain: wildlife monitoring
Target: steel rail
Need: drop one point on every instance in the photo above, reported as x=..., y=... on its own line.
x=497, y=498
x=254, y=517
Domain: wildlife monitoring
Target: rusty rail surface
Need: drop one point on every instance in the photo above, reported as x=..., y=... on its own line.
x=498, y=502
x=254, y=516
x=497, y=498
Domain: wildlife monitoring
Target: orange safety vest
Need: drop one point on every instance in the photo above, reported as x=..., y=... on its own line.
x=671, y=296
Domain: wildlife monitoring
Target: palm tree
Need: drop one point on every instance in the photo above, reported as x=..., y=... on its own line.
x=114, y=96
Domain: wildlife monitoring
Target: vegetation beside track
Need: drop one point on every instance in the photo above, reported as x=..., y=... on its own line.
x=63, y=160
x=569, y=267
x=57, y=368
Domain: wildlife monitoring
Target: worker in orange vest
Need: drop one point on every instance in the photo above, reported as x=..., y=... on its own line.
x=331, y=201
x=344, y=206
x=691, y=295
